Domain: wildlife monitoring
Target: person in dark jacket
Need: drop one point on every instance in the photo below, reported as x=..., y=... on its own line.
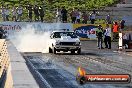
x=122, y=25
x=30, y=12
x=36, y=13
x=64, y=14
x=41, y=12
x=99, y=34
x=107, y=39
x=2, y=33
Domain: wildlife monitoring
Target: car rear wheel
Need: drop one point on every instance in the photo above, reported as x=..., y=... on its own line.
x=50, y=50
x=79, y=51
x=54, y=50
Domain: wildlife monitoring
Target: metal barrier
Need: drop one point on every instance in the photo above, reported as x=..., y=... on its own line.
x=14, y=72
x=4, y=62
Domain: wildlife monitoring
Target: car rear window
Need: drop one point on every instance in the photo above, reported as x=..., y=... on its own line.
x=59, y=34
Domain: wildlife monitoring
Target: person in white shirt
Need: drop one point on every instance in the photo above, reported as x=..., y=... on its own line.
x=19, y=12
x=7, y=13
x=92, y=18
x=14, y=13
x=78, y=17
x=107, y=38
x=58, y=15
x=3, y=13
x=125, y=40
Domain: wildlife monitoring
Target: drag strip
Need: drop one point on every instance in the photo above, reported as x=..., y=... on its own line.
x=94, y=64
x=49, y=75
x=59, y=71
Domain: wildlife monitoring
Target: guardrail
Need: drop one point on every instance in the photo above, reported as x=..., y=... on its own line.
x=4, y=62
x=14, y=72
x=125, y=5
x=4, y=58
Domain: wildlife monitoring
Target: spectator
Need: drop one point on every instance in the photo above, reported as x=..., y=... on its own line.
x=85, y=18
x=41, y=11
x=125, y=40
x=99, y=34
x=108, y=19
x=123, y=1
x=73, y=16
x=7, y=13
x=19, y=13
x=30, y=12
x=115, y=30
x=78, y=17
x=36, y=12
x=92, y=18
x=64, y=14
x=14, y=13
x=58, y=15
x=2, y=33
x=94, y=11
x=122, y=25
x=107, y=38
x=3, y=13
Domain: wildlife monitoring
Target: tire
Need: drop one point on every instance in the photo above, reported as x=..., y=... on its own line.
x=72, y=52
x=54, y=50
x=50, y=50
x=81, y=80
x=79, y=51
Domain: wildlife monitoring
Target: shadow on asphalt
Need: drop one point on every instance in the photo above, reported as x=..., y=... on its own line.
x=83, y=53
x=88, y=53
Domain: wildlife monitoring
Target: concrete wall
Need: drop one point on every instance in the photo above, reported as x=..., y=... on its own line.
x=17, y=72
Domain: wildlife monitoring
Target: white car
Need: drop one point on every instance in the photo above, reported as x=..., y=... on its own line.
x=64, y=41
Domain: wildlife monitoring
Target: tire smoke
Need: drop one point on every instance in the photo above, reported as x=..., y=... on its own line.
x=30, y=40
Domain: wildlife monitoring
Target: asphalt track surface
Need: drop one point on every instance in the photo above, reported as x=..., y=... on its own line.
x=60, y=70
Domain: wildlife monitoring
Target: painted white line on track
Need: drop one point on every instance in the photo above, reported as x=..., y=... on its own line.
x=124, y=53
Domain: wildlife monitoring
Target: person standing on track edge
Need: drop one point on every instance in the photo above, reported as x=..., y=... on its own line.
x=107, y=38
x=115, y=31
x=99, y=34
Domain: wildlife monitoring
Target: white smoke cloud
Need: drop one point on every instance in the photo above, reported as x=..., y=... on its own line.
x=28, y=40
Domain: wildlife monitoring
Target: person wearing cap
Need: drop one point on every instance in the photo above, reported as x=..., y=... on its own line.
x=99, y=34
